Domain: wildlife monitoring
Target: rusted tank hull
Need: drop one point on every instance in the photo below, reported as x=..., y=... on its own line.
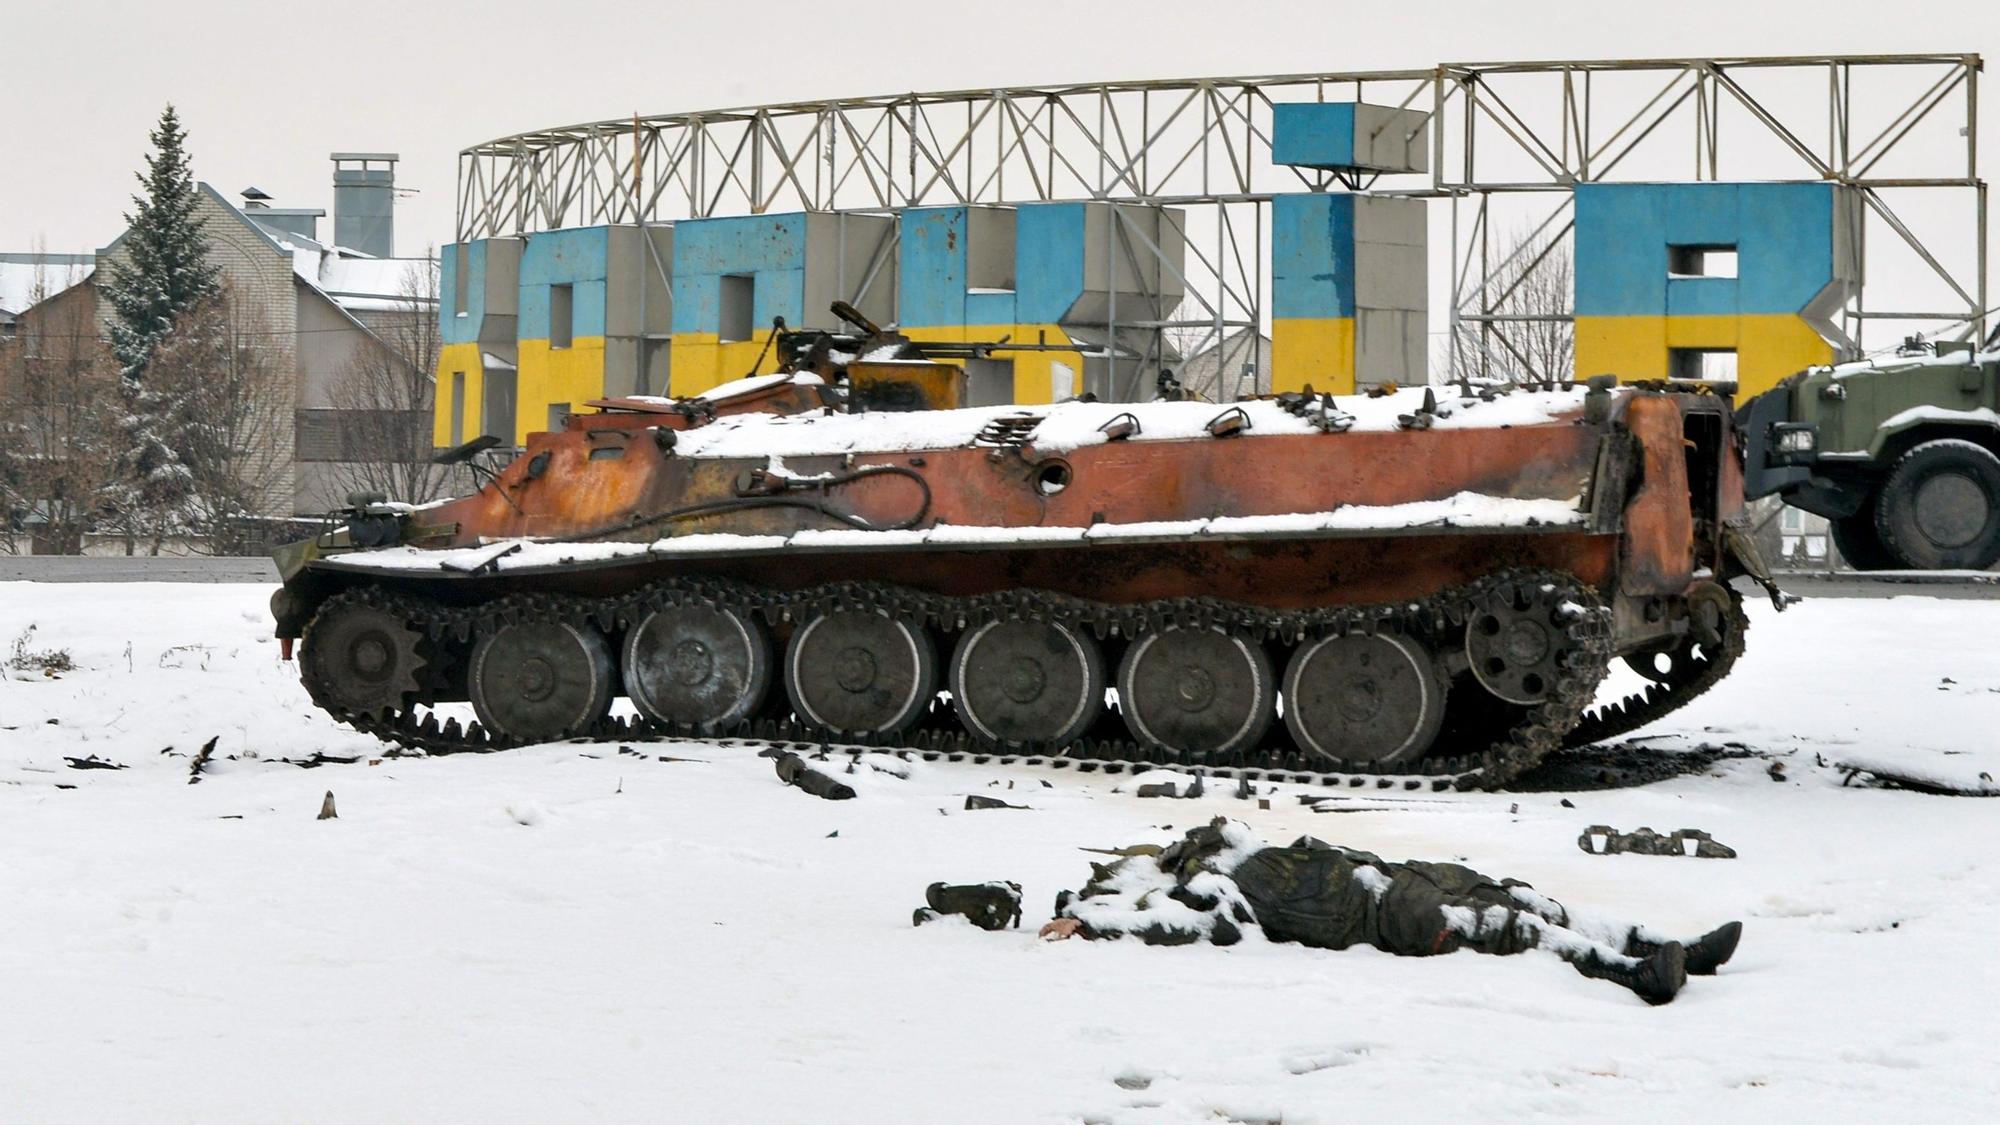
x=1423, y=592
x=595, y=481
x=1288, y=573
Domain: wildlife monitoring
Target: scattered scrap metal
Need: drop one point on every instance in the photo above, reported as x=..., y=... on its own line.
x=1602, y=839
x=1889, y=778
x=793, y=770
x=1321, y=411
x=200, y=761
x=1171, y=789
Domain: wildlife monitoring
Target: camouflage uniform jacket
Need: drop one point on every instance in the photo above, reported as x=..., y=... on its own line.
x=1218, y=878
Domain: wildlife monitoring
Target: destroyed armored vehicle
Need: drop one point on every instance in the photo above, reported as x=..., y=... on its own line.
x=1428, y=582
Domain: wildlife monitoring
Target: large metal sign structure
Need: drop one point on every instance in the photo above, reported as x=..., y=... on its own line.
x=1887, y=145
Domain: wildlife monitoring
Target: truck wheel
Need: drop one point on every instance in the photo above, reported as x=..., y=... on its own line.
x=1856, y=540
x=1939, y=509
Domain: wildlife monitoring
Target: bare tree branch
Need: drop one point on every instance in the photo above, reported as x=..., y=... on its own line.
x=59, y=425
x=386, y=396
x=1535, y=283
x=233, y=400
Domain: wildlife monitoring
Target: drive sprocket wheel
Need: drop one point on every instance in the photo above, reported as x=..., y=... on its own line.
x=1516, y=639
x=1360, y=698
x=541, y=680
x=1677, y=674
x=1197, y=691
x=360, y=656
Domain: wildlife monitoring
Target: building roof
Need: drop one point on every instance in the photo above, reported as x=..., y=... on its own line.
x=29, y=279
x=353, y=280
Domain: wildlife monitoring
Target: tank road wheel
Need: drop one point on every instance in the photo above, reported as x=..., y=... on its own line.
x=540, y=680
x=1516, y=640
x=1358, y=698
x=1940, y=507
x=360, y=659
x=1027, y=683
x=697, y=666
x=856, y=672
x=1197, y=691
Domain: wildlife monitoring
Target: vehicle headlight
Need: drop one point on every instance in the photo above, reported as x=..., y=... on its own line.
x=1794, y=443
x=1797, y=441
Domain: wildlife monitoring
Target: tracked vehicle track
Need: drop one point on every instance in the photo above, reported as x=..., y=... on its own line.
x=1686, y=678
x=1485, y=758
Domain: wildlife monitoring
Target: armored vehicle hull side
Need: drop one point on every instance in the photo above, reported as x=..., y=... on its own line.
x=1433, y=587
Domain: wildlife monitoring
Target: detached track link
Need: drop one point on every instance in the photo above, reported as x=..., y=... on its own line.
x=1660, y=699
x=1438, y=620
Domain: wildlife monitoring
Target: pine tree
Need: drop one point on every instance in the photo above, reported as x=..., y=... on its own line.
x=165, y=268
x=163, y=274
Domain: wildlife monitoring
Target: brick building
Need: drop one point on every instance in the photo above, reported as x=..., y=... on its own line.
x=328, y=310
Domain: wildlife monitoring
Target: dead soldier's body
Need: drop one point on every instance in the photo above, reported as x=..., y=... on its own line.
x=1220, y=878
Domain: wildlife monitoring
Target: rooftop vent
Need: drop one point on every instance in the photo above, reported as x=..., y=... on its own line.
x=280, y=221
x=364, y=196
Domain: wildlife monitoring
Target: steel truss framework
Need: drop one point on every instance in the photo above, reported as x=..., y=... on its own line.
x=1507, y=143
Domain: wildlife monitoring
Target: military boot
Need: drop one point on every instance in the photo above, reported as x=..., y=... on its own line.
x=1656, y=979
x=990, y=906
x=1705, y=954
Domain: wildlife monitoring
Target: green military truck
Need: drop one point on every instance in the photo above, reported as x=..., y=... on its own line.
x=1901, y=455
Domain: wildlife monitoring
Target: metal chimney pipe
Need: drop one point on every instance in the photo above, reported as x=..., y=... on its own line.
x=364, y=198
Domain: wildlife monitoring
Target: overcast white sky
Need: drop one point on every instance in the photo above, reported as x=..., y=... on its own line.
x=267, y=91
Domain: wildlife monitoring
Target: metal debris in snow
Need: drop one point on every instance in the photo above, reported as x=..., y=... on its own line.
x=1602, y=839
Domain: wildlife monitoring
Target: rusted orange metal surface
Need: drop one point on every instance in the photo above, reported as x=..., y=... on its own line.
x=1659, y=545
x=1630, y=472
x=589, y=481
x=1285, y=574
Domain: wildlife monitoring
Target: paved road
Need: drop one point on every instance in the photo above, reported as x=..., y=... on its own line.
x=58, y=568
x=121, y=568
x=1887, y=584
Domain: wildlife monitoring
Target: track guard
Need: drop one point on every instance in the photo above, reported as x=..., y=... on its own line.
x=1742, y=550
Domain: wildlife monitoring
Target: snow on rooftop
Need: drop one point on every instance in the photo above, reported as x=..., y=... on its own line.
x=26, y=284
x=355, y=281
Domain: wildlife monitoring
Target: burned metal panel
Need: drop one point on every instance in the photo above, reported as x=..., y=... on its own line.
x=906, y=385
x=1659, y=527
x=559, y=489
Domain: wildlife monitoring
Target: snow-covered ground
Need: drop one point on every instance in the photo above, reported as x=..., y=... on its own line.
x=569, y=933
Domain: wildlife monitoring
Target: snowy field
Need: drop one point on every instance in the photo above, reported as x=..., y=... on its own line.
x=568, y=933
